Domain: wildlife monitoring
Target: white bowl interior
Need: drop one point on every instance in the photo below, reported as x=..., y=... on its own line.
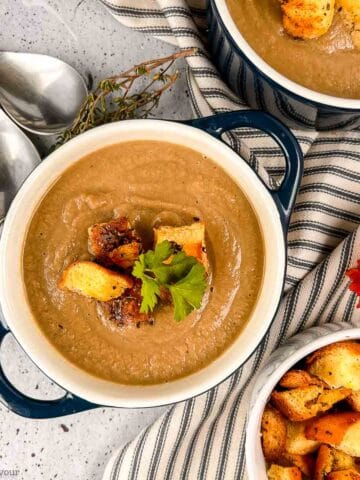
x=12, y=289
x=312, y=95
x=255, y=461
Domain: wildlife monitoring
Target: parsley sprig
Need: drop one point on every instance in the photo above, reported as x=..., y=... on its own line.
x=183, y=276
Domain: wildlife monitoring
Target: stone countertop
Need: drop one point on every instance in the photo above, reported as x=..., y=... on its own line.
x=85, y=35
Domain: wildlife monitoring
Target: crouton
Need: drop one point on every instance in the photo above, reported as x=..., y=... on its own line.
x=273, y=431
x=354, y=401
x=104, y=237
x=342, y=461
x=126, y=255
x=296, y=441
x=299, y=378
x=329, y=460
x=307, y=19
x=303, y=403
x=94, y=281
x=337, y=364
x=125, y=310
x=324, y=462
x=277, y=472
x=340, y=430
x=351, y=12
x=349, y=474
x=191, y=239
x=305, y=463
x=114, y=243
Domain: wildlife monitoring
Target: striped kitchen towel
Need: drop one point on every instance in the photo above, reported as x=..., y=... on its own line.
x=203, y=438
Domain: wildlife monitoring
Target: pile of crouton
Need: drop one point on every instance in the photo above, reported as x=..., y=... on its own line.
x=114, y=247
x=311, y=426
x=310, y=19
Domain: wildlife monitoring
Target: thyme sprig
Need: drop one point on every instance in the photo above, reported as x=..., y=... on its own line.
x=117, y=98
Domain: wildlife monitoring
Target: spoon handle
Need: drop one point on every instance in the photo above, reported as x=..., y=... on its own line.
x=18, y=157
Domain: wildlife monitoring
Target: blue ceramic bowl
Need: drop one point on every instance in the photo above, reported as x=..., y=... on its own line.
x=263, y=88
x=86, y=391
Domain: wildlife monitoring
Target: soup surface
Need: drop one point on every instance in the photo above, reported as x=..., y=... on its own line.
x=153, y=183
x=329, y=64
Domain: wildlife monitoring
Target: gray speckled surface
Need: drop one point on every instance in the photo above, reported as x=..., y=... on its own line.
x=85, y=35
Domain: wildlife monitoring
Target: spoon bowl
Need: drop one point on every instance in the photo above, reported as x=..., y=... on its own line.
x=18, y=158
x=40, y=93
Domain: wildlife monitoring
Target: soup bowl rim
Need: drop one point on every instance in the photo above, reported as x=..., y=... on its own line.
x=18, y=314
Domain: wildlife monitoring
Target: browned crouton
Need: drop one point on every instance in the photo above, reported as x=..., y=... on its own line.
x=273, y=431
x=341, y=460
x=299, y=378
x=302, y=403
x=324, y=462
x=114, y=243
x=94, y=281
x=329, y=459
x=296, y=441
x=307, y=19
x=277, y=472
x=125, y=310
x=351, y=12
x=349, y=474
x=305, y=463
x=105, y=237
x=354, y=401
x=337, y=364
x=126, y=255
x=191, y=239
x=340, y=430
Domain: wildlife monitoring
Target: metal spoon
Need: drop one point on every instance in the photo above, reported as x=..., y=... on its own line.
x=40, y=93
x=18, y=158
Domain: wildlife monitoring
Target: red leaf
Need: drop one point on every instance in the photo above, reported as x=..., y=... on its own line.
x=354, y=275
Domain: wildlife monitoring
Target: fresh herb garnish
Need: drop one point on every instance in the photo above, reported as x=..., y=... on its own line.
x=131, y=94
x=188, y=292
x=183, y=276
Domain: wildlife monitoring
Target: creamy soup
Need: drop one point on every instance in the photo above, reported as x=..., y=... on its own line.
x=329, y=64
x=153, y=183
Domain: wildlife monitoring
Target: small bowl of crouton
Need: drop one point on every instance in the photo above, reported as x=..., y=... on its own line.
x=304, y=415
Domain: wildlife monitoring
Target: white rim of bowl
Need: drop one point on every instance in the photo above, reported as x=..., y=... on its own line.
x=58, y=367
x=289, y=85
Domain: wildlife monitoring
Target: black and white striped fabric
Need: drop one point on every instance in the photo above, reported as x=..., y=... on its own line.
x=203, y=438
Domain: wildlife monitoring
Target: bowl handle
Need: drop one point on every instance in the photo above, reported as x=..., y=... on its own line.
x=285, y=196
x=28, y=407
